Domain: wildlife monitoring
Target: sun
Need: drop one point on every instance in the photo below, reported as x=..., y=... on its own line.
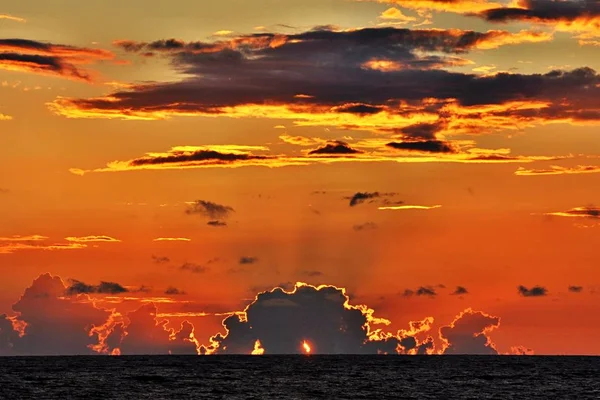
x=306, y=347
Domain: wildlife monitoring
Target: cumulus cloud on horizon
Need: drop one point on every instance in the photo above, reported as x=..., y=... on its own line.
x=278, y=321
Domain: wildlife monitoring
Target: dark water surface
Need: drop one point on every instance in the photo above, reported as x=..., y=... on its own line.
x=300, y=377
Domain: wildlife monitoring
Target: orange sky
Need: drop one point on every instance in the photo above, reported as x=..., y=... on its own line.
x=195, y=155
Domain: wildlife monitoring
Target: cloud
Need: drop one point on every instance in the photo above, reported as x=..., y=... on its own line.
x=312, y=273
x=160, y=259
x=367, y=226
x=420, y=291
x=396, y=15
x=428, y=146
x=364, y=197
x=468, y=333
x=144, y=334
x=78, y=287
x=302, y=141
x=19, y=238
x=173, y=291
x=536, y=291
x=209, y=210
x=456, y=6
x=4, y=191
x=408, y=207
x=172, y=239
x=371, y=150
x=4, y=117
x=9, y=245
x=185, y=157
x=322, y=316
x=421, y=91
x=44, y=58
x=193, y=268
x=247, y=260
x=91, y=239
x=53, y=324
x=579, y=17
x=591, y=212
x=334, y=148
x=557, y=170
x=46, y=322
x=217, y=224
x=575, y=289
x=12, y=18
x=460, y=290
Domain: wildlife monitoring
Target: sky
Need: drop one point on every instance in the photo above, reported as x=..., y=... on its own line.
x=375, y=176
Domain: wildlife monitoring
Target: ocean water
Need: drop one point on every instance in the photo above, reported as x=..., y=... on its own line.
x=300, y=377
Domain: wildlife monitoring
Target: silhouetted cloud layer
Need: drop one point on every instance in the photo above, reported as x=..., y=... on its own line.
x=387, y=80
x=60, y=60
x=468, y=333
x=322, y=316
x=52, y=318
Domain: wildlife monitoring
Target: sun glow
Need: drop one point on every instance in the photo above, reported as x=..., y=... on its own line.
x=306, y=347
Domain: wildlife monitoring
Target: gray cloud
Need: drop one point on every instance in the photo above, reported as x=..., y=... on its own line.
x=536, y=291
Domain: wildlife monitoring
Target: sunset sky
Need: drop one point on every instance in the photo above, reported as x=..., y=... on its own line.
x=432, y=160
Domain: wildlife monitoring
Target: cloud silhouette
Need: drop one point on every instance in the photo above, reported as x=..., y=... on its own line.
x=460, y=290
x=78, y=287
x=143, y=334
x=209, y=210
x=247, y=260
x=321, y=316
x=468, y=333
x=536, y=291
x=335, y=147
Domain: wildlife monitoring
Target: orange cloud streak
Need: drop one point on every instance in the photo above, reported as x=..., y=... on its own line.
x=557, y=170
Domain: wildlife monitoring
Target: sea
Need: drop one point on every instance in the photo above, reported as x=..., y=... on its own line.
x=300, y=377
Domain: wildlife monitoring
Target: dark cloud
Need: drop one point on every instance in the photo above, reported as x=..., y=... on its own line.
x=209, y=210
x=370, y=197
x=575, y=289
x=361, y=197
x=535, y=291
x=217, y=224
x=4, y=191
x=335, y=147
x=160, y=259
x=361, y=109
x=339, y=70
x=173, y=291
x=468, y=333
x=247, y=260
x=193, y=268
x=420, y=291
x=366, y=226
x=427, y=146
x=460, y=290
x=422, y=131
x=549, y=11
x=312, y=273
x=321, y=316
x=49, y=59
x=78, y=287
x=197, y=157
x=55, y=324
x=592, y=212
